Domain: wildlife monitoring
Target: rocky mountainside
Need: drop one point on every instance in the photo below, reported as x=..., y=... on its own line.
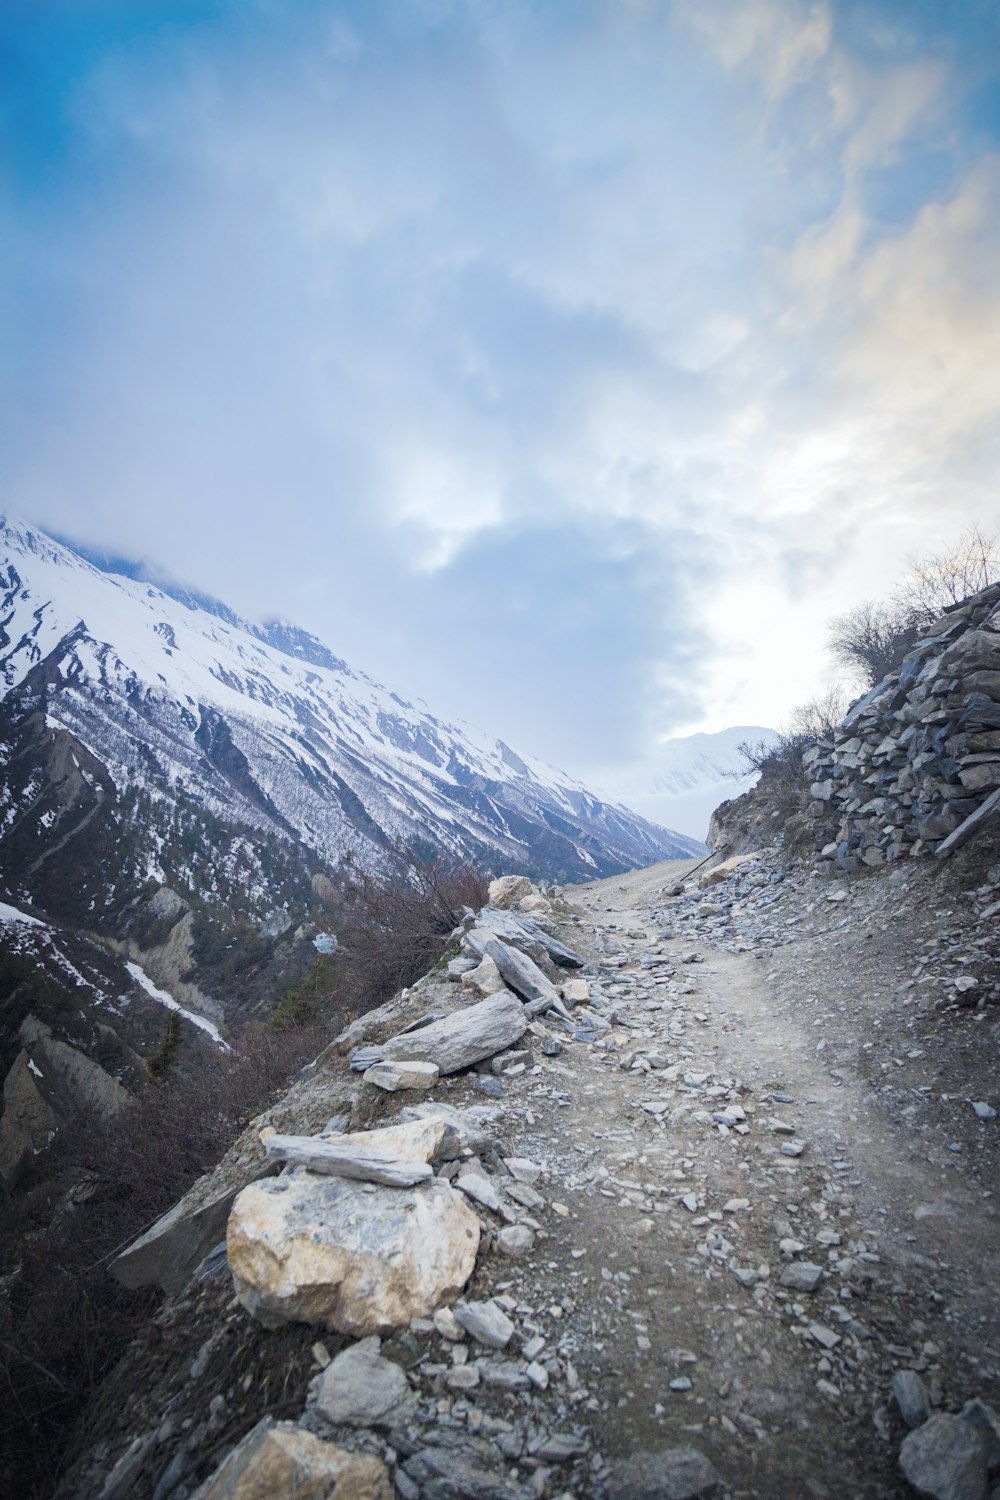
x=154, y=736
x=913, y=769
x=179, y=786
x=681, y=1184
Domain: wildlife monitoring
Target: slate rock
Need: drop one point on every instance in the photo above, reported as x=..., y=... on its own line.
x=945, y=1459
x=411, y=1073
x=454, y=1474
x=522, y=973
x=167, y=1254
x=983, y=1419
x=486, y=1322
x=465, y=1037
x=801, y=1276
x=280, y=1459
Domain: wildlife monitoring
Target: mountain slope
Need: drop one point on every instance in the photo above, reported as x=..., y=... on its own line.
x=161, y=712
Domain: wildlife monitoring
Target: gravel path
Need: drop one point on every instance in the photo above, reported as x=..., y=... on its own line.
x=728, y=1146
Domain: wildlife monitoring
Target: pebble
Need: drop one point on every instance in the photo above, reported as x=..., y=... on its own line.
x=486, y=1322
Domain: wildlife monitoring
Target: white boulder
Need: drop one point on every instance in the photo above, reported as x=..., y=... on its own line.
x=349, y=1256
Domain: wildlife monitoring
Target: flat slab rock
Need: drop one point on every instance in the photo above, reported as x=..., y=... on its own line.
x=465, y=1037
x=682, y=1473
x=279, y=1459
x=348, y=1256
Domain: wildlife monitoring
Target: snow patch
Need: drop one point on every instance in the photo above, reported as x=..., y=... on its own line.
x=162, y=998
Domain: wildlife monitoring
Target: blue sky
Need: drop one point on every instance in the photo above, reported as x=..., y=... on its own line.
x=567, y=364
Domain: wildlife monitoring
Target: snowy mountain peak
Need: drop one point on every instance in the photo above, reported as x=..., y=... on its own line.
x=178, y=701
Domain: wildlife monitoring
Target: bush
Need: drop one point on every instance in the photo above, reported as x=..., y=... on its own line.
x=872, y=639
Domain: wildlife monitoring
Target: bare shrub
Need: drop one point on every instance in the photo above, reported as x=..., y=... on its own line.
x=390, y=925
x=63, y=1320
x=872, y=639
x=970, y=564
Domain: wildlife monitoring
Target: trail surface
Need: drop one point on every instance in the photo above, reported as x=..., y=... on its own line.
x=679, y=1232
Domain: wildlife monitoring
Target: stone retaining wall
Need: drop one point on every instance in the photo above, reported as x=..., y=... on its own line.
x=918, y=755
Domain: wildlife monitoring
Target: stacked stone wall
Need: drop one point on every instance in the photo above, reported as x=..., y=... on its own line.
x=919, y=755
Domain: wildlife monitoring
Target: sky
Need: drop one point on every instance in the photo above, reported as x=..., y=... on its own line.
x=567, y=364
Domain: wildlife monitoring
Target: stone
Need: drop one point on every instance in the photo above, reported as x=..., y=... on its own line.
x=336, y=1158
x=393, y=1076
x=362, y=1389
x=523, y=974
x=347, y=1256
x=515, y=1240
x=801, y=1276
x=485, y=1322
x=471, y=1125
x=985, y=817
x=560, y=1448
x=508, y=889
x=522, y=1170
x=168, y=1254
x=454, y=1474
x=983, y=1110
x=682, y=1473
x=507, y=1374
x=485, y=979
x=575, y=991
x=945, y=1459
x=466, y=1036
x=478, y=1187
x=280, y=1459
x=910, y=1395
x=463, y=1378
x=428, y=1136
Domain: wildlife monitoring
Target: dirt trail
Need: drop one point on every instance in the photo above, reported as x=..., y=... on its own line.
x=674, y=1230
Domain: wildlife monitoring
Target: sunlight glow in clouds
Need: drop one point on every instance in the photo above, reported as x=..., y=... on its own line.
x=569, y=364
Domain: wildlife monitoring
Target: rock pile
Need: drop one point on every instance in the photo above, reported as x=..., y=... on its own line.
x=915, y=765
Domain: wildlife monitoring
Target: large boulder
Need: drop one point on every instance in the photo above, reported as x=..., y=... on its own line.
x=278, y=1459
x=348, y=1256
x=465, y=1037
x=509, y=888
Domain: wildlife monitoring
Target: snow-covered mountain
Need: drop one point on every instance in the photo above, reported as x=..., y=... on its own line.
x=131, y=705
x=684, y=782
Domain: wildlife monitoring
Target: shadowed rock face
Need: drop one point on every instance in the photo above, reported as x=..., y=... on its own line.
x=346, y=1256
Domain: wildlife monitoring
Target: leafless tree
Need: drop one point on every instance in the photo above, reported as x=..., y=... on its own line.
x=872, y=639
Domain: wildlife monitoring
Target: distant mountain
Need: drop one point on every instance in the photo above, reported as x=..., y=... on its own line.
x=685, y=780
x=163, y=706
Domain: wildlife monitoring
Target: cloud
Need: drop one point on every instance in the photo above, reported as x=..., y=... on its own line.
x=567, y=365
